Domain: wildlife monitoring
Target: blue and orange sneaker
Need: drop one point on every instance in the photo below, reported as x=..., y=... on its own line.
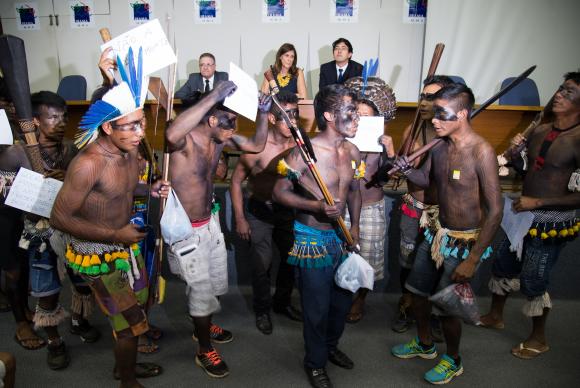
x=414, y=349
x=444, y=372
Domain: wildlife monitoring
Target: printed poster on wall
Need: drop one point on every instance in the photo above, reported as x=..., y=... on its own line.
x=27, y=16
x=275, y=11
x=207, y=11
x=344, y=11
x=141, y=11
x=81, y=15
x=414, y=11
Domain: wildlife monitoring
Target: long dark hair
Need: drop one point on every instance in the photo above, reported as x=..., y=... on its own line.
x=281, y=51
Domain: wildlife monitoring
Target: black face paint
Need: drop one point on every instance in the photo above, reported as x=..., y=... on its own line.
x=427, y=96
x=225, y=122
x=569, y=93
x=444, y=114
x=292, y=113
x=345, y=115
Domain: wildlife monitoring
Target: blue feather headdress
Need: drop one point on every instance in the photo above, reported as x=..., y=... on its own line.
x=121, y=100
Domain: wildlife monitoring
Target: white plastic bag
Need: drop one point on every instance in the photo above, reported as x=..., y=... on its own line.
x=458, y=300
x=175, y=224
x=355, y=273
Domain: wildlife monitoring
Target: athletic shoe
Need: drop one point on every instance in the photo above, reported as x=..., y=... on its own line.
x=217, y=335
x=212, y=364
x=444, y=372
x=413, y=349
x=83, y=328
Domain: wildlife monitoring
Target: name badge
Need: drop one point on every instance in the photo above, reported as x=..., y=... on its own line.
x=456, y=174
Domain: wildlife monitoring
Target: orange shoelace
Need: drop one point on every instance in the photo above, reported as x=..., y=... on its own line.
x=215, y=329
x=213, y=357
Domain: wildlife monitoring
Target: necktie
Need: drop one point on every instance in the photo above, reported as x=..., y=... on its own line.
x=206, y=90
x=340, y=76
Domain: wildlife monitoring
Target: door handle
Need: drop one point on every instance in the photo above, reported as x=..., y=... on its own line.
x=50, y=18
x=56, y=18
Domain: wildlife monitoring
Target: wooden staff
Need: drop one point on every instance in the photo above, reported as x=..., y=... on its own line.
x=307, y=154
x=415, y=127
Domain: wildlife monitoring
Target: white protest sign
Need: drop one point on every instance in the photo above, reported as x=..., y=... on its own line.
x=245, y=99
x=33, y=193
x=5, y=130
x=370, y=128
x=157, y=52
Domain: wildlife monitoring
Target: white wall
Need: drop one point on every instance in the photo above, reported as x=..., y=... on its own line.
x=487, y=41
x=241, y=38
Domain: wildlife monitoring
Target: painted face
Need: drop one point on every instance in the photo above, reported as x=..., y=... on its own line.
x=226, y=126
x=346, y=118
x=51, y=122
x=293, y=113
x=426, y=103
x=287, y=59
x=206, y=67
x=445, y=118
x=567, y=97
x=341, y=54
x=128, y=131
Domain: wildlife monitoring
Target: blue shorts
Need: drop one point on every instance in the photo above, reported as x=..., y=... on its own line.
x=44, y=279
x=538, y=259
x=425, y=279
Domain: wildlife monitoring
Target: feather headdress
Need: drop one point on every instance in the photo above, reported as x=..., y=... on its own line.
x=121, y=100
x=375, y=90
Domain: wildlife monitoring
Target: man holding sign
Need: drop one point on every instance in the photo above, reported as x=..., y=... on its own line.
x=196, y=139
x=93, y=210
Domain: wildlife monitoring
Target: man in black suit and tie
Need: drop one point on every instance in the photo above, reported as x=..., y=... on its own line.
x=205, y=80
x=342, y=68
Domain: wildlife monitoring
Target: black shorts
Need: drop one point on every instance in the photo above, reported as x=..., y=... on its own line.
x=11, y=225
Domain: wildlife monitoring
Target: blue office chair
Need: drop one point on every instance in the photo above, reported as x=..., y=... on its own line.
x=457, y=79
x=73, y=87
x=526, y=93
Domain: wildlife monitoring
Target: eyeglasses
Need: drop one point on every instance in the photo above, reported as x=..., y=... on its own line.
x=292, y=114
x=137, y=125
x=427, y=96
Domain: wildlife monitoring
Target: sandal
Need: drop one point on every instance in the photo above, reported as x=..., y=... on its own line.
x=143, y=370
x=154, y=333
x=527, y=353
x=145, y=345
x=26, y=340
x=354, y=317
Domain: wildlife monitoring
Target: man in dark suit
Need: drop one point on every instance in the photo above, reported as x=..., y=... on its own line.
x=342, y=68
x=205, y=80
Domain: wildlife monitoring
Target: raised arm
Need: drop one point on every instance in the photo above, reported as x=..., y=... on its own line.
x=241, y=172
x=419, y=177
x=257, y=142
x=490, y=189
x=189, y=119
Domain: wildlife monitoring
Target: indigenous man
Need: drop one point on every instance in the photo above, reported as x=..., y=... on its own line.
x=196, y=139
x=13, y=258
x=374, y=98
x=317, y=250
x=49, y=115
x=551, y=191
x=93, y=209
x=464, y=169
x=418, y=204
x=265, y=222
